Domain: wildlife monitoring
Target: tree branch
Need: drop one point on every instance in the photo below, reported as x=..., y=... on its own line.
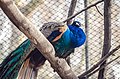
x=36, y=37
x=86, y=32
x=71, y=10
x=100, y=62
x=88, y=75
x=83, y=10
x=98, y=10
x=107, y=35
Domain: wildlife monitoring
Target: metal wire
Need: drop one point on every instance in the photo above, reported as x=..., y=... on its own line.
x=42, y=11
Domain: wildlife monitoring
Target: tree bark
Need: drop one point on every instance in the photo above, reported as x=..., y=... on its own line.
x=107, y=35
x=36, y=37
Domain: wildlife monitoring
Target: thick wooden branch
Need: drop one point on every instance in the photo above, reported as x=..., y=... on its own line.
x=83, y=10
x=36, y=37
x=99, y=63
x=107, y=34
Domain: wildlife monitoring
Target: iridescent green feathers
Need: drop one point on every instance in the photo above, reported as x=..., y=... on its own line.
x=11, y=65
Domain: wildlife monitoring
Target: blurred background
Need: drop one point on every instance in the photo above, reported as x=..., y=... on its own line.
x=84, y=57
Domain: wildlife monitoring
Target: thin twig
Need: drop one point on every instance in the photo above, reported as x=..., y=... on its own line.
x=83, y=10
x=100, y=62
x=88, y=75
x=98, y=10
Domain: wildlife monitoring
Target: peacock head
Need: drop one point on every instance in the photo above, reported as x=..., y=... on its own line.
x=76, y=23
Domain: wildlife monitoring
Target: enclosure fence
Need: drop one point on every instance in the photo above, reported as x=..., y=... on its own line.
x=42, y=11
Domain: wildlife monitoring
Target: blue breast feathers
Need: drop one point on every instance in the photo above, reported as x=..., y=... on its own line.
x=73, y=37
x=78, y=36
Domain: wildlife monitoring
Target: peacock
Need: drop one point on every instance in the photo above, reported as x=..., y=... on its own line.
x=26, y=59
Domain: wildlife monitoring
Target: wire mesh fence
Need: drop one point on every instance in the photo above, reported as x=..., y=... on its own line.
x=41, y=11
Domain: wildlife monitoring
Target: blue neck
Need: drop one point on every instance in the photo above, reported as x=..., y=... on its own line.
x=66, y=37
x=63, y=44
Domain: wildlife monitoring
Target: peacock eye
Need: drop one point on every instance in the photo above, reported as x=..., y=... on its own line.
x=77, y=24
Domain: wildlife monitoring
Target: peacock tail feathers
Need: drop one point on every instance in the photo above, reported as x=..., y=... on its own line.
x=10, y=66
x=29, y=68
x=26, y=71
